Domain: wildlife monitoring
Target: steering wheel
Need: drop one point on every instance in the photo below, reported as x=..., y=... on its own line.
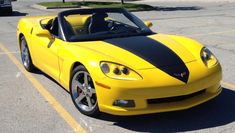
x=112, y=26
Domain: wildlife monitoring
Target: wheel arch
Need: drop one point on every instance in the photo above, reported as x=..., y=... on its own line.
x=19, y=39
x=74, y=65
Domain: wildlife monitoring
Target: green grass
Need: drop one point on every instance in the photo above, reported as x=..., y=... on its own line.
x=129, y=6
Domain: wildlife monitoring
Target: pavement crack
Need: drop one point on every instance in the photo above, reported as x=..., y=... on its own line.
x=182, y=17
x=220, y=48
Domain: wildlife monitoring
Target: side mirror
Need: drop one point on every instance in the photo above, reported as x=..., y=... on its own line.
x=42, y=33
x=148, y=23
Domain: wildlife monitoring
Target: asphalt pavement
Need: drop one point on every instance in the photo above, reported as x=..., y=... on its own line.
x=25, y=108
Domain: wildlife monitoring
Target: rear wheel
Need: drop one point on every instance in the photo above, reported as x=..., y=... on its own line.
x=83, y=92
x=25, y=55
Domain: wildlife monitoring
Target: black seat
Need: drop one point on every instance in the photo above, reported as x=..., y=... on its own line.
x=98, y=23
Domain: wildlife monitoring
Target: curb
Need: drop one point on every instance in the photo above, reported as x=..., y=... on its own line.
x=80, y=7
x=38, y=7
x=55, y=7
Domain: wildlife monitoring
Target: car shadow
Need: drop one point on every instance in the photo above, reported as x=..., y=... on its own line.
x=185, y=8
x=217, y=112
x=39, y=72
x=16, y=13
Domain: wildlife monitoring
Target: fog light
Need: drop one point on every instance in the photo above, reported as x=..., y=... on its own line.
x=124, y=103
x=125, y=70
x=116, y=71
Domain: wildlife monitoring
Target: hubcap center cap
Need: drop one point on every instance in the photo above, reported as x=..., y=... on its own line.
x=85, y=89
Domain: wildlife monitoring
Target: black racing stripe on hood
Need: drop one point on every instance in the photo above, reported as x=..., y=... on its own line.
x=155, y=53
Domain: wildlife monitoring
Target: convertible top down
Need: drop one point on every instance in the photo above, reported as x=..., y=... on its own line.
x=110, y=61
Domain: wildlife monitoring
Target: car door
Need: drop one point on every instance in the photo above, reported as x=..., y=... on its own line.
x=46, y=53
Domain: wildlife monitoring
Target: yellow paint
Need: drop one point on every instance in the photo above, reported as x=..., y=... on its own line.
x=148, y=23
x=58, y=61
x=53, y=102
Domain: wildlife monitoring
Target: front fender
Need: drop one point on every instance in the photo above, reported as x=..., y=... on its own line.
x=193, y=46
x=71, y=54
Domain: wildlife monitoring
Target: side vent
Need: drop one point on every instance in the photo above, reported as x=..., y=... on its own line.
x=31, y=32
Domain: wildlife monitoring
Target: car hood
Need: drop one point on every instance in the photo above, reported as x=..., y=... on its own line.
x=144, y=52
x=148, y=52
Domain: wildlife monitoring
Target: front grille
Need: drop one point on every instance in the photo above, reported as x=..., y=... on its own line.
x=174, y=99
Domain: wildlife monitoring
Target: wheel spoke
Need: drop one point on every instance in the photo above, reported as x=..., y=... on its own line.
x=79, y=98
x=85, y=78
x=92, y=90
x=26, y=58
x=78, y=84
x=25, y=55
x=89, y=101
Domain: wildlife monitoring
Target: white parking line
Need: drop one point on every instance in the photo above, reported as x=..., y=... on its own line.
x=13, y=52
x=18, y=74
x=46, y=94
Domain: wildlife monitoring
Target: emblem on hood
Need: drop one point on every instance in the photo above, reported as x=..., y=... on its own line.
x=180, y=74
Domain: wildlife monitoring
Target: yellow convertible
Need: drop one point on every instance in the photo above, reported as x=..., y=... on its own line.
x=110, y=61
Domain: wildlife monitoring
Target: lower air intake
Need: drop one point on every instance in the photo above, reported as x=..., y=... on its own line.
x=174, y=99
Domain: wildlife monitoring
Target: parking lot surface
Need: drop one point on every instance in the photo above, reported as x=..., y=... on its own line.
x=36, y=103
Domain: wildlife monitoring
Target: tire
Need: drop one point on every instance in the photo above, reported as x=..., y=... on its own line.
x=83, y=93
x=25, y=56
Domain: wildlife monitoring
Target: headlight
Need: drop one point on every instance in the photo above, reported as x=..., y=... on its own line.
x=117, y=71
x=208, y=57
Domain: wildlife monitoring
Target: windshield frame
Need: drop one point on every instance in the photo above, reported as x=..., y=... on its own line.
x=66, y=36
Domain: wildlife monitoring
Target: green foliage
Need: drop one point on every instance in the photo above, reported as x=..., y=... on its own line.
x=129, y=6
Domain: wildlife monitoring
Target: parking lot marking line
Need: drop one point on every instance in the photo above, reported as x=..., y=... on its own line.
x=14, y=52
x=53, y=102
x=231, y=85
x=212, y=33
x=18, y=74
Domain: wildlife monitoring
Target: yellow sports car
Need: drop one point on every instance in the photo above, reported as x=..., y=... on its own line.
x=110, y=61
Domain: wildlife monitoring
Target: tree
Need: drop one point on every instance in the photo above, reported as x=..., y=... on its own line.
x=63, y=1
x=122, y=1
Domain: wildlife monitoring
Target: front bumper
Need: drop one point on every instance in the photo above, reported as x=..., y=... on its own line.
x=163, y=86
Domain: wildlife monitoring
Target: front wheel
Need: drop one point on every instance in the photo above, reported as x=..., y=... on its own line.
x=25, y=56
x=83, y=92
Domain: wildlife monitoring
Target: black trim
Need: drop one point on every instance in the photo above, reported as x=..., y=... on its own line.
x=175, y=98
x=155, y=53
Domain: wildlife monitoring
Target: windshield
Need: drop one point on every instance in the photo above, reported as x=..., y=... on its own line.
x=100, y=24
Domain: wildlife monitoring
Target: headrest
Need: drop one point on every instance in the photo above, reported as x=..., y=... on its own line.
x=100, y=15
